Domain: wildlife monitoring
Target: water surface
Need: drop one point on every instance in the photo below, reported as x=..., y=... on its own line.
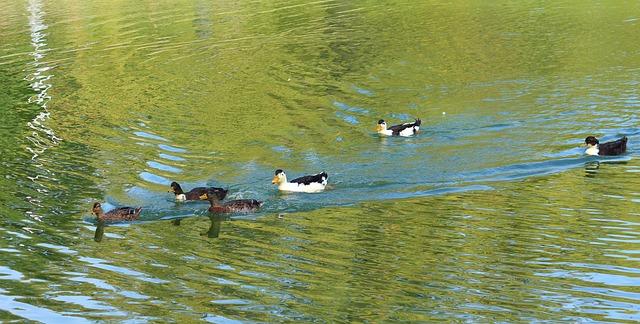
x=491, y=214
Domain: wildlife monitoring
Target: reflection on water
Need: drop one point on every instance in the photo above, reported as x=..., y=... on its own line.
x=214, y=229
x=39, y=77
x=491, y=214
x=99, y=232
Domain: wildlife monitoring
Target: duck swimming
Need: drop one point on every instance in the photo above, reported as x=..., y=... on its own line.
x=232, y=206
x=406, y=129
x=126, y=214
x=616, y=147
x=195, y=193
x=309, y=183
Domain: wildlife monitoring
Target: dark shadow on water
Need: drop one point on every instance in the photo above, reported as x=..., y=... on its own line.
x=214, y=227
x=99, y=233
x=100, y=227
x=591, y=167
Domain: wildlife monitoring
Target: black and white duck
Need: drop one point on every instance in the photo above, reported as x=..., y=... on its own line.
x=195, y=193
x=616, y=147
x=309, y=183
x=406, y=129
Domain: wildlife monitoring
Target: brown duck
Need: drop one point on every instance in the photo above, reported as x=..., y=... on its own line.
x=232, y=206
x=195, y=193
x=126, y=214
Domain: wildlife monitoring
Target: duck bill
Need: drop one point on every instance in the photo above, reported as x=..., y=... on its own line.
x=583, y=144
x=204, y=196
x=275, y=180
x=379, y=128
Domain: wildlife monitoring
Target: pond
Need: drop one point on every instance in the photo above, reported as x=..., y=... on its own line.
x=491, y=213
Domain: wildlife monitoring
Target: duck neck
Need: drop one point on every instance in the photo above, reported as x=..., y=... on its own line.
x=99, y=214
x=214, y=202
x=178, y=190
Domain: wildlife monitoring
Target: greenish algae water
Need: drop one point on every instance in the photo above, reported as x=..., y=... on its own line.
x=491, y=214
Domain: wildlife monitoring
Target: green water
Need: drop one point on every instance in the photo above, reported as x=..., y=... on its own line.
x=491, y=214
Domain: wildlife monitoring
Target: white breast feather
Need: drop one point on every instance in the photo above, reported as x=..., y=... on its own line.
x=593, y=150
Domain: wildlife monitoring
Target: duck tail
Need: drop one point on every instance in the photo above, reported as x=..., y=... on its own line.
x=418, y=122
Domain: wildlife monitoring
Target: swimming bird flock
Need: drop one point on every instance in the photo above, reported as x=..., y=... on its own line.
x=308, y=183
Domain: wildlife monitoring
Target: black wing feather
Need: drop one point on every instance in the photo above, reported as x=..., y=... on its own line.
x=396, y=129
x=320, y=177
x=614, y=147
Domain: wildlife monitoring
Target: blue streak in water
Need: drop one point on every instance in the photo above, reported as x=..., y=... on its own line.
x=151, y=136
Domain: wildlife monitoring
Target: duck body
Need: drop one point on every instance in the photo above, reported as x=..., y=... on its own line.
x=309, y=183
x=406, y=129
x=126, y=214
x=232, y=206
x=616, y=147
x=195, y=193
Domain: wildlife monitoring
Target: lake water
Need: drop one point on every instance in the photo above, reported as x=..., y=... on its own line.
x=492, y=213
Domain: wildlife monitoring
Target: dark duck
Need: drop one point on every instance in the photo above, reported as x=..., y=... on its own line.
x=406, y=129
x=125, y=214
x=232, y=206
x=196, y=193
x=616, y=147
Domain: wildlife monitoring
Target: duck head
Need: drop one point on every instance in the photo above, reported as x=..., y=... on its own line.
x=218, y=193
x=176, y=189
x=382, y=125
x=97, y=209
x=279, y=177
x=591, y=141
x=592, y=144
x=211, y=197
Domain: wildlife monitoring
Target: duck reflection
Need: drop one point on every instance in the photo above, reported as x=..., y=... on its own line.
x=214, y=228
x=591, y=168
x=99, y=232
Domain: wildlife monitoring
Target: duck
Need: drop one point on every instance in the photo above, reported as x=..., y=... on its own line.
x=195, y=193
x=126, y=214
x=616, y=147
x=309, y=183
x=232, y=206
x=406, y=129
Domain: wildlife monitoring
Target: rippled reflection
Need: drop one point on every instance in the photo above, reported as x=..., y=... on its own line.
x=39, y=77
